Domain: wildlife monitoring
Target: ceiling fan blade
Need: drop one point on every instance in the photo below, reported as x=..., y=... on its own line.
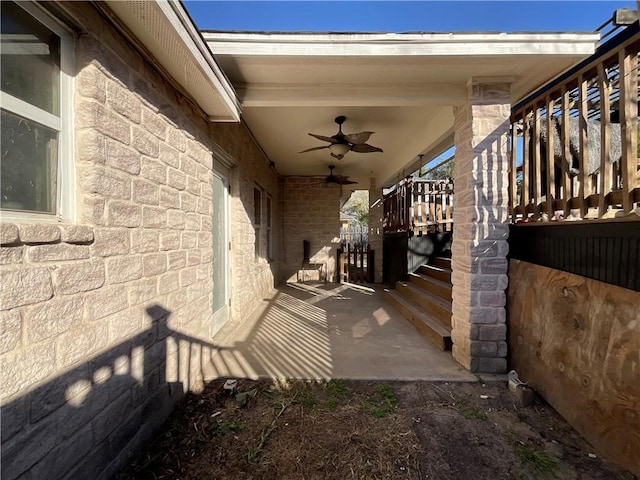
x=358, y=138
x=323, y=138
x=365, y=148
x=345, y=181
x=314, y=148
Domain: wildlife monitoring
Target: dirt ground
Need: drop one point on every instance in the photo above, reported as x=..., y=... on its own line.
x=366, y=430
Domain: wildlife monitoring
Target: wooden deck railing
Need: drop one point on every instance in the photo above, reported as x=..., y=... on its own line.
x=419, y=206
x=574, y=142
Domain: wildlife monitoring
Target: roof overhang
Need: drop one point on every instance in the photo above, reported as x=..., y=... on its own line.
x=166, y=31
x=403, y=86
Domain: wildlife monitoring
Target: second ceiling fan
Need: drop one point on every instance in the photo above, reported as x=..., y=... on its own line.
x=337, y=179
x=340, y=144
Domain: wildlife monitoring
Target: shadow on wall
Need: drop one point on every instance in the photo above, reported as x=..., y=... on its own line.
x=85, y=423
x=403, y=254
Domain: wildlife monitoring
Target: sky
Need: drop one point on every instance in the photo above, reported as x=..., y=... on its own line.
x=403, y=16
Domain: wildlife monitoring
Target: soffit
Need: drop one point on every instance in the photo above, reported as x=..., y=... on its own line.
x=166, y=31
x=401, y=86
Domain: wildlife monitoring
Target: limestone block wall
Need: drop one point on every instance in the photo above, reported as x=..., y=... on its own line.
x=479, y=246
x=311, y=212
x=106, y=322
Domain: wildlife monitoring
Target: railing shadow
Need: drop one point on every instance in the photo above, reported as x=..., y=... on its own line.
x=99, y=412
x=287, y=338
x=324, y=331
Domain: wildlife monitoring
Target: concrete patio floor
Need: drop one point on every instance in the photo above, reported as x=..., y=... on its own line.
x=328, y=331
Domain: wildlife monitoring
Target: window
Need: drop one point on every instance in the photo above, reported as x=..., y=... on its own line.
x=269, y=242
x=257, y=220
x=35, y=94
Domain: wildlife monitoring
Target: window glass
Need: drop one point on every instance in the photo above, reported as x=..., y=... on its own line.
x=257, y=207
x=269, y=243
x=28, y=165
x=30, y=59
x=269, y=212
x=257, y=220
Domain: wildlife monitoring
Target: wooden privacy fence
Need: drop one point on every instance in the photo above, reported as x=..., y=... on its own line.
x=355, y=263
x=574, y=142
x=419, y=206
x=355, y=234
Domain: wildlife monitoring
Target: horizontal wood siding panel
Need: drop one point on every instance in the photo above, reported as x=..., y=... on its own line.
x=608, y=252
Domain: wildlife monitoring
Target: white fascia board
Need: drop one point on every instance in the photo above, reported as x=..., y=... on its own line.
x=432, y=44
x=172, y=16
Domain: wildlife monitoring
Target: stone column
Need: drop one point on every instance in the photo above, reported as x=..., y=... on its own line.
x=480, y=231
x=375, y=226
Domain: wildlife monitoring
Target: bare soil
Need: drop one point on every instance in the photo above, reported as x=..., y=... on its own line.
x=366, y=430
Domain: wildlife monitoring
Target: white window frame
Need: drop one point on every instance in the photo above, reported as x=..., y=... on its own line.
x=257, y=222
x=269, y=221
x=63, y=124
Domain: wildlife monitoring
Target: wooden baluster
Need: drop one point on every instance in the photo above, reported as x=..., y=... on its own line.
x=432, y=208
x=439, y=206
x=513, y=199
x=585, y=181
x=424, y=205
x=629, y=125
x=605, y=140
x=450, y=192
x=550, y=162
x=567, y=192
x=524, y=190
x=537, y=171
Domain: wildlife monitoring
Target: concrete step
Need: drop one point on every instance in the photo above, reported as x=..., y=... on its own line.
x=439, y=273
x=429, y=284
x=429, y=327
x=442, y=262
x=432, y=305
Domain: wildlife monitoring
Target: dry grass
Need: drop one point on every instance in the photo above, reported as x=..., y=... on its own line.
x=362, y=430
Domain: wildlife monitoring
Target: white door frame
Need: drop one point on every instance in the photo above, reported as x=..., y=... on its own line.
x=223, y=313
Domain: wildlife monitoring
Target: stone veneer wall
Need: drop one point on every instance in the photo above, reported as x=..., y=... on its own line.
x=106, y=323
x=311, y=212
x=479, y=246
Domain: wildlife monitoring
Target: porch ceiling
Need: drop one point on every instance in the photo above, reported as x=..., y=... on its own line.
x=401, y=86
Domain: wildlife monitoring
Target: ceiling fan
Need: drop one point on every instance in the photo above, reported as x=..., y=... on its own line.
x=337, y=179
x=340, y=144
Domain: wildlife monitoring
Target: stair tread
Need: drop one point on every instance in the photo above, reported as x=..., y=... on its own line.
x=436, y=267
x=438, y=301
x=445, y=260
x=421, y=315
x=432, y=280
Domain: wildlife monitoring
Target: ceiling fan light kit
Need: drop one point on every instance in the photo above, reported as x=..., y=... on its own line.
x=339, y=150
x=340, y=144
